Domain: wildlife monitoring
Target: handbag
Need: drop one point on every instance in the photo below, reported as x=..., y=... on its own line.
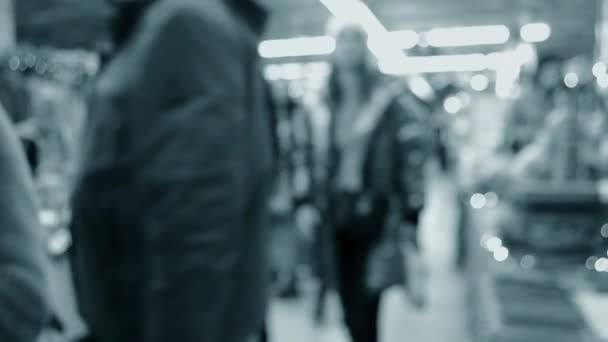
x=394, y=261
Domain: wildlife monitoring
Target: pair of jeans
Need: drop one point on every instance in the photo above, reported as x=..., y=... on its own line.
x=355, y=235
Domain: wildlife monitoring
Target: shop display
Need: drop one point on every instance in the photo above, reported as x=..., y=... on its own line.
x=52, y=117
x=516, y=311
x=546, y=234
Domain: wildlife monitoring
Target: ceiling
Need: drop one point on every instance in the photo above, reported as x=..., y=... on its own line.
x=573, y=21
x=82, y=23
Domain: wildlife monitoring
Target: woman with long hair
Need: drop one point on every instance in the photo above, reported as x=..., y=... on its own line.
x=376, y=158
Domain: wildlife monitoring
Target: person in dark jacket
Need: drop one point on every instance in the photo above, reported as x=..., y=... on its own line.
x=24, y=309
x=170, y=210
x=376, y=163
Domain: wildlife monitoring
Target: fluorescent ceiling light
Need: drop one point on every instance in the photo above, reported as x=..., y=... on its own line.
x=447, y=63
x=296, y=71
x=535, y=32
x=386, y=45
x=411, y=65
x=468, y=36
x=304, y=46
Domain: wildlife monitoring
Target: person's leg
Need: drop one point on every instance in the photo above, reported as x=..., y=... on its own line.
x=367, y=318
x=345, y=279
x=360, y=306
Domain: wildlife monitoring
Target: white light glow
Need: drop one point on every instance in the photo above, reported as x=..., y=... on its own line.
x=421, y=87
x=468, y=36
x=571, y=80
x=525, y=53
x=507, y=73
x=493, y=244
x=478, y=201
x=590, y=263
x=601, y=265
x=272, y=72
x=48, y=217
x=404, y=39
x=599, y=69
x=535, y=32
x=292, y=71
x=443, y=63
x=602, y=81
x=492, y=199
x=604, y=231
x=479, y=82
x=454, y=105
x=296, y=71
x=294, y=47
x=484, y=239
x=501, y=254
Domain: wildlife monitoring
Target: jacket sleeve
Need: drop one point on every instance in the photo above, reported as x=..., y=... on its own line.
x=413, y=139
x=23, y=306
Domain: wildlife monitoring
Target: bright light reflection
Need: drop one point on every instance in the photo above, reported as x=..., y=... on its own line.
x=493, y=244
x=453, y=105
x=535, y=32
x=48, y=217
x=478, y=201
x=492, y=199
x=602, y=81
x=604, y=231
x=601, y=265
x=293, y=47
x=501, y=254
x=483, y=241
x=599, y=69
x=525, y=53
x=479, y=82
x=444, y=63
x=571, y=80
x=468, y=36
x=590, y=263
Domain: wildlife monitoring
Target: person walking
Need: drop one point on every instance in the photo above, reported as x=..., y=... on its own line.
x=376, y=170
x=169, y=224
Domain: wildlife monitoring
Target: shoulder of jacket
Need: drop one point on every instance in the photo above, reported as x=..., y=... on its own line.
x=164, y=12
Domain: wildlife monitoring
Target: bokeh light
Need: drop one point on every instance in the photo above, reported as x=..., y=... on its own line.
x=478, y=201
x=501, y=254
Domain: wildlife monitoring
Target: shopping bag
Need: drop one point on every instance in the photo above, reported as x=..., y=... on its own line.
x=394, y=262
x=385, y=266
x=416, y=274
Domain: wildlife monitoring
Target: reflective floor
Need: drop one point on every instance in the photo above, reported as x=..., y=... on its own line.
x=445, y=318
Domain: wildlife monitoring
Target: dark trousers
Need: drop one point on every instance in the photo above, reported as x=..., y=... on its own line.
x=355, y=236
x=360, y=305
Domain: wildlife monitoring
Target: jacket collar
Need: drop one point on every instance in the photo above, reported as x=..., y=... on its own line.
x=253, y=14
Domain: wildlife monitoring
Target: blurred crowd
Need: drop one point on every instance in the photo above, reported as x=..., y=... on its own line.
x=186, y=190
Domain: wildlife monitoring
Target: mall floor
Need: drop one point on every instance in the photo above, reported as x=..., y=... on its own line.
x=444, y=319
